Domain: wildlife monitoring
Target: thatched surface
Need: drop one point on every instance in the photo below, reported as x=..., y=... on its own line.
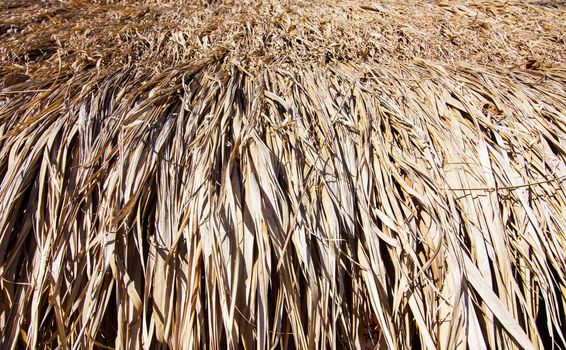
x=255, y=33
x=282, y=175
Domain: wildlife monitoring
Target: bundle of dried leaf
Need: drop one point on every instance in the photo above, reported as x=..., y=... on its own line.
x=261, y=175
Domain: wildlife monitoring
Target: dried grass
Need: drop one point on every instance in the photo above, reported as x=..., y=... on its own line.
x=270, y=176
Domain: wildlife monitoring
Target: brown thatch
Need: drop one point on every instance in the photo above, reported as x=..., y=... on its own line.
x=295, y=175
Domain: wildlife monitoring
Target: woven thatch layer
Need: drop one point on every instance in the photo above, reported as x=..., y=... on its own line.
x=217, y=197
x=204, y=206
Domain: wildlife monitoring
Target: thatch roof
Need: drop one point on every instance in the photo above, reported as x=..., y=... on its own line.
x=300, y=175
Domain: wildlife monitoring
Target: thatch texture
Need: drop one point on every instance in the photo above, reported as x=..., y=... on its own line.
x=301, y=176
